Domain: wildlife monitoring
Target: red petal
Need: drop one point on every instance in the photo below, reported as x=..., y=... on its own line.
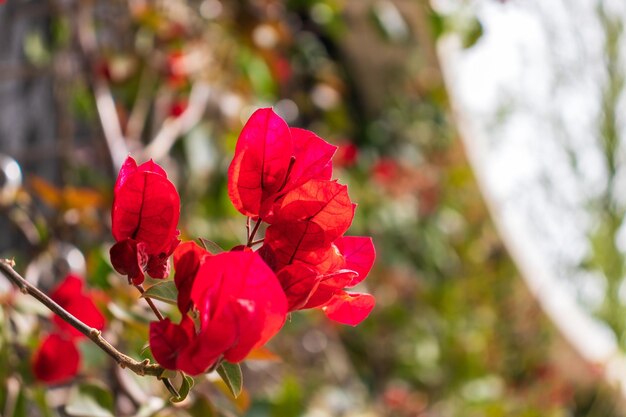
x=313, y=157
x=207, y=347
x=278, y=253
x=349, y=308
x=146, y=208
x=261, y=162
x=166, y=342
x=129, y=258
x=69, y=295
x=151, y=166
x=308, y=220
x=338, y=279
x=249, y=318
x=329, y=285
x=324, y=261
x=298, y=281
x=56, y=361
x=326, y=204
x=129, y=167
x=238, y=287
x=187, y=260
x=158, y=266
x=359, y=254
x=322, y=295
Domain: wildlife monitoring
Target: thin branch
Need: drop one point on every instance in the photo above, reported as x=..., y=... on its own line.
x=139, y=113
x=150, y=303
x=110, y=122
x=140, y=368
x=173, y=128
x=253, y=233
x=105, y=104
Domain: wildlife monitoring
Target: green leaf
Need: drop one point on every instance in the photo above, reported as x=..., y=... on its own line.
x=232, y=376
x=90, y=400
x=210, y=246
x=163, y=291
x=184, y=389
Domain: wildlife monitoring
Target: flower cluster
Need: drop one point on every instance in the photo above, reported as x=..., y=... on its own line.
x=282, y=176
x=233, y=302
x=48, y=365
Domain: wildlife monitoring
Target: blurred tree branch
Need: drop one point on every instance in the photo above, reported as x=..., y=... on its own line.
x=174, y=128
x=105, y=104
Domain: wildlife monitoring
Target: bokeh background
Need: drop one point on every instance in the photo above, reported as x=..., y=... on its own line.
x=437, y=112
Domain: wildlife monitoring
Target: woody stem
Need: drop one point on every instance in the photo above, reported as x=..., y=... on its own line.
x=140, y=368
x=150, y=303
x=256, y=229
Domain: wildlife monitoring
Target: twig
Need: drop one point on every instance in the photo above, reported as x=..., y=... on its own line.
x=105, y=104
x=139, y=113
x=253, y=233
x=110, y=122
x=150, y=303
x=140, y=368
x=174, y=128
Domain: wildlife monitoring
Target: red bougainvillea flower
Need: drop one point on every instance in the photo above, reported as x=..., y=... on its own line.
x=271, y=159
x=282, y=175
x=56, y=361
x=358, y=256
x=317, y=278
x=187, y=260
x=145, y=214
x=309, y=218
x=69, y=294
x=239, y=303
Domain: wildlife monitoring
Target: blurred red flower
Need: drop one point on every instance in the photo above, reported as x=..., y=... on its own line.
x=69, y=294
x=57, y=359
x=347, y=155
